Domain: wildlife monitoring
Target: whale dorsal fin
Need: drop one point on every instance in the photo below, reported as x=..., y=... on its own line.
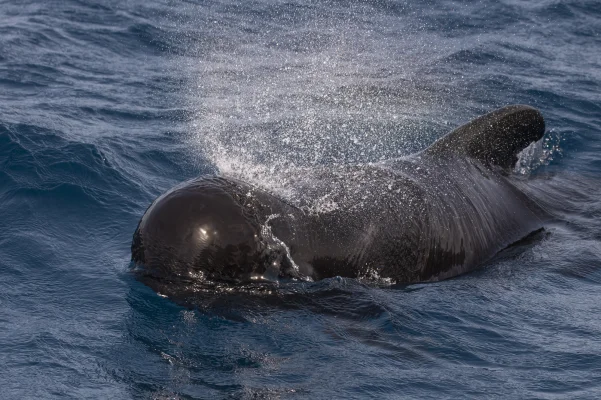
x=495, y=138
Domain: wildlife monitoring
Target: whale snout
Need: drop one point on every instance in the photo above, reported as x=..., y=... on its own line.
x=200, y=231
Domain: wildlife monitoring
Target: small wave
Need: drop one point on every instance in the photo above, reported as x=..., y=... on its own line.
x=42, y=166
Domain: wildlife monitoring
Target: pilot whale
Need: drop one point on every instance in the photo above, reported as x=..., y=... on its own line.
x=426, y=217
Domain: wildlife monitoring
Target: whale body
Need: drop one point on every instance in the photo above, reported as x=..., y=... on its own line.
x=426, y=217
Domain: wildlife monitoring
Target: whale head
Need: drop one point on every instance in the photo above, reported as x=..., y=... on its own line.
x=205, y=230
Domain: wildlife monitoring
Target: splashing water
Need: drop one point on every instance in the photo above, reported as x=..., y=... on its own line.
x=324, y=93
x=539, y=153
x=278, y=255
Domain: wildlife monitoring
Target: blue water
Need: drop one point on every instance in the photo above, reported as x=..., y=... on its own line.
x=106, y=104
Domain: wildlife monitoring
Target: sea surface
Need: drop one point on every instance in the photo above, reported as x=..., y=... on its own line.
x=104, y=105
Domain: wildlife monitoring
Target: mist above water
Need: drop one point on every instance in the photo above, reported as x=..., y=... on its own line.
x=335, y=88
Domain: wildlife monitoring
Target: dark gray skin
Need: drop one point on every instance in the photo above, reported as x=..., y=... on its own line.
x=430, y=216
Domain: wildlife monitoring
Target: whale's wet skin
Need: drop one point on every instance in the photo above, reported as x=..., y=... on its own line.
x=426, y=217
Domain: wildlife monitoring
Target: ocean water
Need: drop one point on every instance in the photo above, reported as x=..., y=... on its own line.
x=104, y=105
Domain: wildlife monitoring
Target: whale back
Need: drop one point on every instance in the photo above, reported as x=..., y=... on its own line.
x=494, y=139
